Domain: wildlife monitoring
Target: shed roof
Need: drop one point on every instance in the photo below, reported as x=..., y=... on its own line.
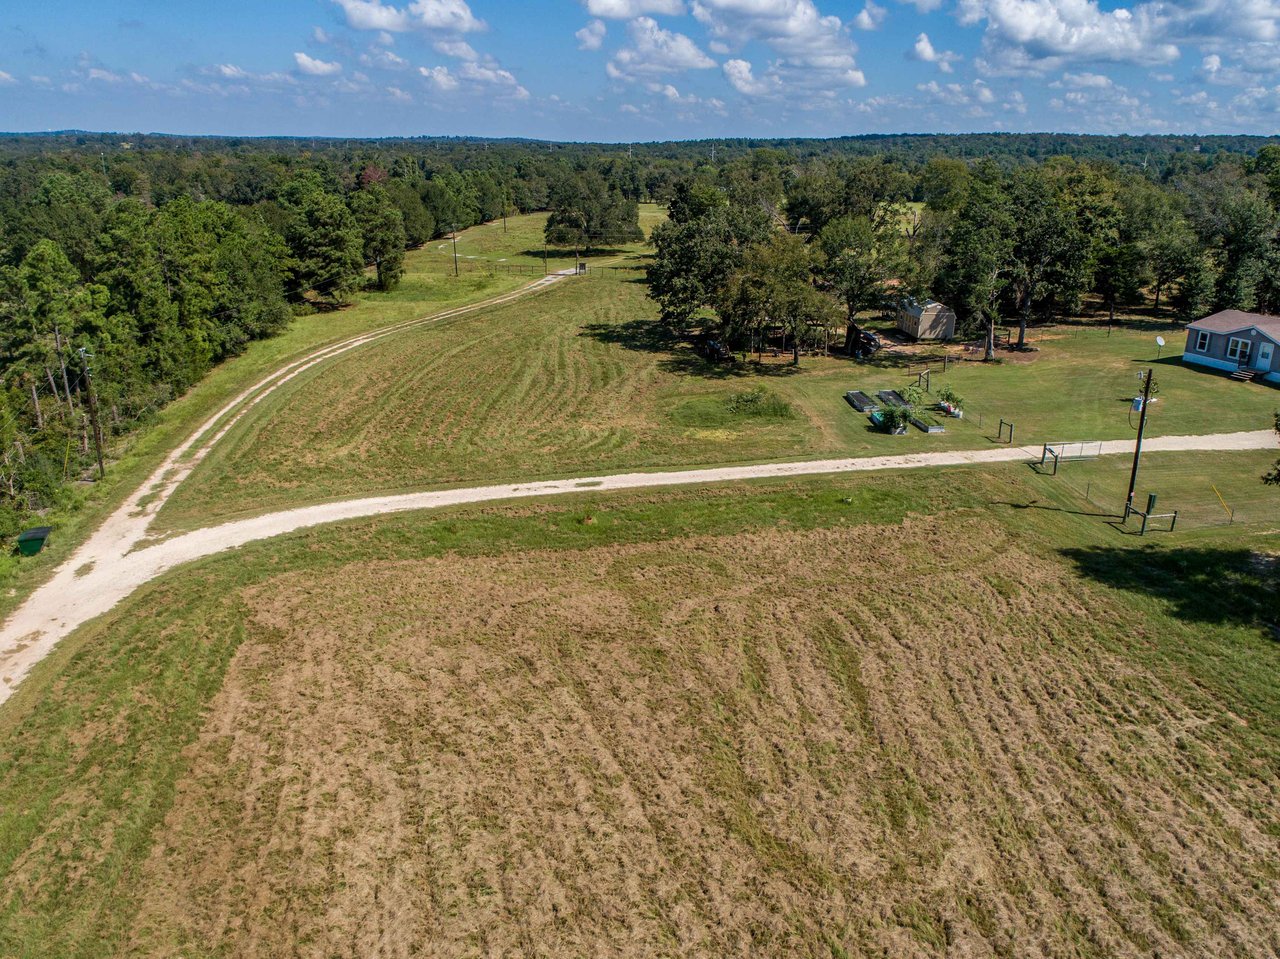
x=1229, y=321
x=918, y=309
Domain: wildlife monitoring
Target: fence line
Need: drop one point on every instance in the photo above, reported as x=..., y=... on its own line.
x=1197, y=507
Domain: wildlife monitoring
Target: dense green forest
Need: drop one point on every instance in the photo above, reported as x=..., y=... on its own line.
x=133, y=264
x=757, y=246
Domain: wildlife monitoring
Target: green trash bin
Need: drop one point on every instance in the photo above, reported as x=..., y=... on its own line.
x=31, y=541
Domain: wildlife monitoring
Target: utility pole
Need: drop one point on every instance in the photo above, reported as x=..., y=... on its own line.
x=93, y=411
x=1137, y=450
x=545, y=269
x=455, y=249
x=104, y=167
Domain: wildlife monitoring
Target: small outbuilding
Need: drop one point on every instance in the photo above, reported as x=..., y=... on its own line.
x=1247, y=345
x=926, y=321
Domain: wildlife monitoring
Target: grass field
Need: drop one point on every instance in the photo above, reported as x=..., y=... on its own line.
x=424, y=290
x=519, y=242
x=1205, y=490
x=581, y=380
x=945, y=713
x=879, y=715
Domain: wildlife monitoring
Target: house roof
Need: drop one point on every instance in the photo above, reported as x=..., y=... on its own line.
x=1230, y=321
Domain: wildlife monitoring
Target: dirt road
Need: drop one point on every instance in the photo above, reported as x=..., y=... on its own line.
x=108, y=567
x=22, y=645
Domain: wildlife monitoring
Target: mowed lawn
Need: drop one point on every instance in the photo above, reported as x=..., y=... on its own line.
x=581, y=379
x=879, y=715
x=518, y=241
x=1078, y=385
x=542, y=387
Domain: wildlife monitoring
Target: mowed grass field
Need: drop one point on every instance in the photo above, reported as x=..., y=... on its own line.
x=423, y=291
x=519, y=242
x=905, y=714
x=581, y=379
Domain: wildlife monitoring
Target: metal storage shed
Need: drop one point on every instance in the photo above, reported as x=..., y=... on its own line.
x=926, y=321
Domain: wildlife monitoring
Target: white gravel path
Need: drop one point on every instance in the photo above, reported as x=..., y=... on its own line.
x=116, y=568
x=43, y=619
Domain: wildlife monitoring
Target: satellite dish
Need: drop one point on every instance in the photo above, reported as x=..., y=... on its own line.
x=1159, y=341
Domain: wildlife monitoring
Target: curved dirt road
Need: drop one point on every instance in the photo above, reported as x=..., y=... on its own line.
x=22, y=644
x=75, y=595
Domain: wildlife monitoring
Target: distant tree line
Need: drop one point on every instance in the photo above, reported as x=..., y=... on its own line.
x=137, y=264
x=768, y=243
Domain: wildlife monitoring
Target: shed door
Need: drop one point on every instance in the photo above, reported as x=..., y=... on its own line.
x=1265, y=349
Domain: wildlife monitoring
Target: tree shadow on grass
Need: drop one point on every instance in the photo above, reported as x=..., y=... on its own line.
x=1204, y=585
x=560, y=253
x=1130, y=319
x=1036, y=504
x=651, y=336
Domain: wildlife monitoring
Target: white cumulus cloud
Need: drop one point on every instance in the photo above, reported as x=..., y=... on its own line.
x=491, y=75
x=870, y=17
x=487, y=78
x=386, y=59
x=316, y=68
x=629, y=9
x=439, y=77
x=1034, y=36
x=655, y=50
x=925, y=52
x=591, y=37
x=813, y=51
x=1097, y=81
x=454, y=16
x=459, y=49
x=742, y=78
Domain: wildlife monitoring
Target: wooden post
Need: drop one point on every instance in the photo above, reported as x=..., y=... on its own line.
x=35, y=404
x=93, y=413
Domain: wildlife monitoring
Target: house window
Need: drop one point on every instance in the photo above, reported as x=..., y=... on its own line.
x=1238, y=349
x=1202, y=341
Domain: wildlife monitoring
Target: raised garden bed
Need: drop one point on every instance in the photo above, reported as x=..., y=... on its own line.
x=892, y=397
x=861, y=402
x=923, y=421
x=878, y=419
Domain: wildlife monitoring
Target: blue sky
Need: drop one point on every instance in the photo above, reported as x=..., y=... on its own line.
x=634, y=70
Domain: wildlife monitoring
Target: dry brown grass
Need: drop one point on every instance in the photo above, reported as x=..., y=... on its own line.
x=709, y=747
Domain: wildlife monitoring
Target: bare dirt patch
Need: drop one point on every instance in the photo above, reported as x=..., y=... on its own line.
x=868, y=741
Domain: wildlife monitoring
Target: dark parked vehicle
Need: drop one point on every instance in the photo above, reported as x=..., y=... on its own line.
x=714, y=350
x=863, y=343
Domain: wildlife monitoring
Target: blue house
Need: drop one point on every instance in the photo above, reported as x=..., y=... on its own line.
x=1247, y=345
